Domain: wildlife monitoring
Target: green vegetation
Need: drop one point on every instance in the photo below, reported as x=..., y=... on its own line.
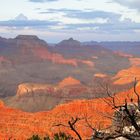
x=57, y=136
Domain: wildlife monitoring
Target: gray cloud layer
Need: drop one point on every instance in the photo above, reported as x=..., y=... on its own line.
x=113, y=25
x=132, y=4
x=28, y=23
x=82, y=14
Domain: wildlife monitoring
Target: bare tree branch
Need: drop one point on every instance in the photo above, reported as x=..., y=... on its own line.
x=137, y=94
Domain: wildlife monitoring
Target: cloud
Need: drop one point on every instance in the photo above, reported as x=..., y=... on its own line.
x=83, y=14
x=93, y=21
x=87, y=21
x=131, y=4
x=91, y=14
x=22, y=21
x=42, y=1
x=21, y=17
x=27, y=23
x=63, y=10
x=119, y=27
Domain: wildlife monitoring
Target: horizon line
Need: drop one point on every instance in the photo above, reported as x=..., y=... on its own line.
x=55, y=42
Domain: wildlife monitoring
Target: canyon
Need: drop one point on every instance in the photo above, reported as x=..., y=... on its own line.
x=42, y=85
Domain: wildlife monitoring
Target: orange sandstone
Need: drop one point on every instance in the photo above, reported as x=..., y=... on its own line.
x=69, y=81
x=21, y=125
x=127, y=76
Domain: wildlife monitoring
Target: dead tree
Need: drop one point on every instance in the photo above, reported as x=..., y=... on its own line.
x=72, y=125
x=129, y=112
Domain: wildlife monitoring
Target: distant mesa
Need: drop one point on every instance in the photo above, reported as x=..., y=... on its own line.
x=31, y=88
x=27, y=37
x=29, y=41
x=71, y=39
x=38, y=50
x=69, y=81
x=69, y=43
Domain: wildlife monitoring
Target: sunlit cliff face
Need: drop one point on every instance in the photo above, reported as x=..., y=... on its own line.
x=69, y=81
x=21, y=125
x=32, y=88
x=127, y=76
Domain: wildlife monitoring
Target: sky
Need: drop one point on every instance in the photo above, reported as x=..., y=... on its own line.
x=84, y=20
